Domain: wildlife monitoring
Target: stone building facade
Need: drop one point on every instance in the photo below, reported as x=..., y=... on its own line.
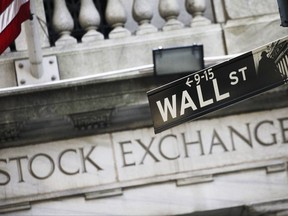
x=79, y=140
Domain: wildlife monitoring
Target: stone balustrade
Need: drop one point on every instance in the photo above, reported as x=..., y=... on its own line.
x=97, y=36
x=116, y=15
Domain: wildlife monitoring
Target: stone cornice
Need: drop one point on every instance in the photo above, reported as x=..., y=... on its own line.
x=94, y=106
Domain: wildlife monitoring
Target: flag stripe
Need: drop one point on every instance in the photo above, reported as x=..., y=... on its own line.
x=9, y=14
x=11, y=28
x=4, y=4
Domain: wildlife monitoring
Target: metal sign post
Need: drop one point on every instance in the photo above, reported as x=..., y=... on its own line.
x=219, y=86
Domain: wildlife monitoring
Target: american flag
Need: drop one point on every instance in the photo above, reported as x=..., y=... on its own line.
x=12, y=14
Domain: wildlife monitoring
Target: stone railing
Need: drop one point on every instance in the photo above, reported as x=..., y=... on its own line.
x=103, y=36
x=120, y=15
x=117, y=15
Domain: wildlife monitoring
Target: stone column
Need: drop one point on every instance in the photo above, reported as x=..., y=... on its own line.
x=116, y=17
x=142, y=13
x=89, y=19
x=197, y=8
x=63, y=23
x=169, y=10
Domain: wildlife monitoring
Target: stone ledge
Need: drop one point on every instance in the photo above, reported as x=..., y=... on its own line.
x=117, y=105
x=82, y=59
x=119, y=188
x=15, y=207
x=248, y=33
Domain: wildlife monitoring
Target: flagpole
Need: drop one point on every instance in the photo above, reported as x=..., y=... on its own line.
x=33, y=43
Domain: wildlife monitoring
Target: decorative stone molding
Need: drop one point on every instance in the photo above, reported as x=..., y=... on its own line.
x=15, y=207
x=281, y=167
x=10, y=131
x=104, y=194
x=91, y=120
x=195, y=180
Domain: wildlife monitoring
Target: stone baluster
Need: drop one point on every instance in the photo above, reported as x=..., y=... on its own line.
x=116, y=17
x=142, y=13
x=197, y=8
x=169, y=10
x=63, y=23
x=89, y=19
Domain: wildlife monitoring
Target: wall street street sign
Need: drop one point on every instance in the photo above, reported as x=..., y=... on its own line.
x=219, y=86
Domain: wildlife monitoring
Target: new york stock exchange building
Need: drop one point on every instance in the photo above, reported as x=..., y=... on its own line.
x=78, y=135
